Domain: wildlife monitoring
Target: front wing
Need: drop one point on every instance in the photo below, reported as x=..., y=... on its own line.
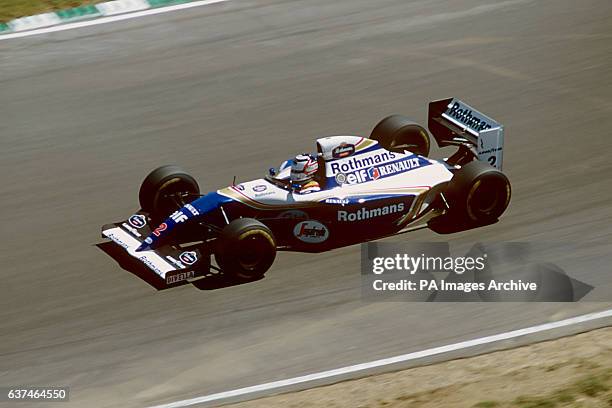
x=170, y=263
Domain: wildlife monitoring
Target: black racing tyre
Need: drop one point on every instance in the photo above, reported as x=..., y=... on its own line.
x=161, y=189
x=478, y=192
x=245, y=249
x=398, y=133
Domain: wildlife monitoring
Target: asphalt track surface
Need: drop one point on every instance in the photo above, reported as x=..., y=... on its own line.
x=232, y=89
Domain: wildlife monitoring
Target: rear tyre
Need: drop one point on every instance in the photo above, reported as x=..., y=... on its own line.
x=478, y=193
x=398, y=133
x=246, y=249
x=165, y=189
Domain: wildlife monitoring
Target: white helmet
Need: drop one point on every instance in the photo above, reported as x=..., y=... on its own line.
x=303, y=169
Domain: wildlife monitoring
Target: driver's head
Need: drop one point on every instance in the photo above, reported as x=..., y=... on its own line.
x=303, y=169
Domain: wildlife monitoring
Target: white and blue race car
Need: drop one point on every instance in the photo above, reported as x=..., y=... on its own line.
x=369, y=188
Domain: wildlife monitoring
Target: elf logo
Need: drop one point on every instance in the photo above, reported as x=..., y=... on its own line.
x=374, y=173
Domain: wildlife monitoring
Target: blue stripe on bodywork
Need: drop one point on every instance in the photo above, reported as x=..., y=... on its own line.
x=196, y=209
x=210, y=202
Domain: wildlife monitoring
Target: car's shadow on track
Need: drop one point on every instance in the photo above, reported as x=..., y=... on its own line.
x=450, y=226
x=211, y=281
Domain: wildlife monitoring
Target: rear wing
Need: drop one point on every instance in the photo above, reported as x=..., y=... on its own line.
x=453, y=122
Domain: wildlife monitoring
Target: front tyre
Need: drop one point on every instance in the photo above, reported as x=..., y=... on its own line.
x=165, y=189
x=478, y=193
x=397, y=133
x=245, y=249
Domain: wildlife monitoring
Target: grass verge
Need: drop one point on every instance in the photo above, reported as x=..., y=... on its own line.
x=574, y=372
x=11, y=9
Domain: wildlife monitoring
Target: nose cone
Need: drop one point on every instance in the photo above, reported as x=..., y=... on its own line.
x=163, y=229
x=197, y=209
x=146, y=245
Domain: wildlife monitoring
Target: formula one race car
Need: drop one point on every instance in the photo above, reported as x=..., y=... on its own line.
x=369, y=188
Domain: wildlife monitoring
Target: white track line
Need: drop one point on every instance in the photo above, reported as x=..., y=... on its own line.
x=387, y=361
x=112, y=19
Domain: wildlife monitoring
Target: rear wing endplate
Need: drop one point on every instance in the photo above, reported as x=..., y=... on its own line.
x=453, y=122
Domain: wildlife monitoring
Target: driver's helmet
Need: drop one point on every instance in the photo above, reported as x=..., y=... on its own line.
x=303, y=169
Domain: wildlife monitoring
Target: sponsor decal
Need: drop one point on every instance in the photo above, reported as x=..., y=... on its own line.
x=267, y=193
x=178, y=277
x=137, y=221
x=293, y=214
x=259, y=188
x=176, y=262
x=343, y=150
x=192, y=209
x=312, y=232
x=340, y=178
x=399, y=166
x=118, y=241
x=385, y=170
x=356, y=163
x=335, y=200
x=142, y=258
x=148, y=240
x=179, y=216
x=188, y=257
x=239, y=187
x=367, y=213
x=131, y=229
x=492, y=150
x=374, y=173
x=465, y=115
x=150, y=264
